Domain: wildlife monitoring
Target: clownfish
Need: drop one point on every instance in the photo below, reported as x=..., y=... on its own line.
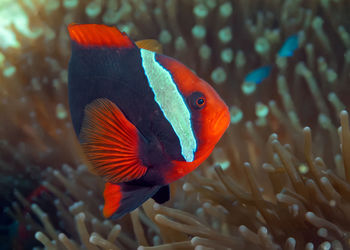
x=143, y=119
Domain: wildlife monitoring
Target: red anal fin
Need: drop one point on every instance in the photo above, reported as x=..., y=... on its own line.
x=113, y=197
x=98, y=35
x=110, y=142
x=123, y=198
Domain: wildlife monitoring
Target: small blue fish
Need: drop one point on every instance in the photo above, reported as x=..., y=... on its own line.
x=289, y=46
x=258, y=75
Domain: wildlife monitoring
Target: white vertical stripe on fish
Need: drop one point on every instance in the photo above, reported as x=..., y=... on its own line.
x=170, y=102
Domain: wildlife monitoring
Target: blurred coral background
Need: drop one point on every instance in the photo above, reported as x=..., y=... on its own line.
x=269, y=183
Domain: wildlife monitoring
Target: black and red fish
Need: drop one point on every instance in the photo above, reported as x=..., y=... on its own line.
x=143, y=119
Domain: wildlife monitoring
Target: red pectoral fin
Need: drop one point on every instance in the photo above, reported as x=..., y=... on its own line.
x=99, y=35
x=111, y=143
x=123, y=198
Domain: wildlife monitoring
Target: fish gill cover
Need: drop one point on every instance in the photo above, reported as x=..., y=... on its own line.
x=277, y=187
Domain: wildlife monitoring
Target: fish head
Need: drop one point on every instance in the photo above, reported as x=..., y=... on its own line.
x=211, y=119
x=210, y=115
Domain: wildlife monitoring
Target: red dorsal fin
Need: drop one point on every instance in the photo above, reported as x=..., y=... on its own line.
x=98, y=35
x=110, y=142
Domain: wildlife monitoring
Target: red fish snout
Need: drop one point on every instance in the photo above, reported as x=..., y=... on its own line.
x=221, y=121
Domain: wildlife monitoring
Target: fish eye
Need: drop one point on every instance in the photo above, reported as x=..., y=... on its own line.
x=200, y=101
x=197, y=100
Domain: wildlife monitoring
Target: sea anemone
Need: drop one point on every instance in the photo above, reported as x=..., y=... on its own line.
x=261, y=188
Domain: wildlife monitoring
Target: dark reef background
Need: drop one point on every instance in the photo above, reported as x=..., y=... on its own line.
x=268, y=183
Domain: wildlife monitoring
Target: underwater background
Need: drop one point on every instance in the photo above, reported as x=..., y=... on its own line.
x=278, y=179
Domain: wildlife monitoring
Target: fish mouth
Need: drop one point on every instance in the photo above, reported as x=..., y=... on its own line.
x=221, y=121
